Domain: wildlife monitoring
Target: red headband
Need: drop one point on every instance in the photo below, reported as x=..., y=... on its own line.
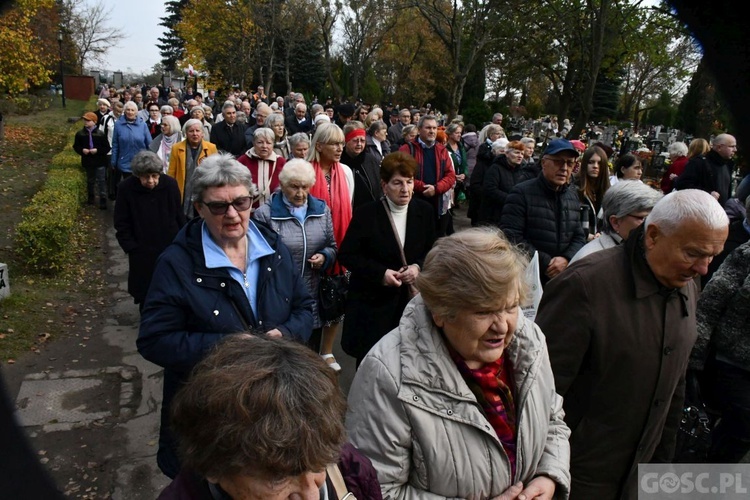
x=360, y=132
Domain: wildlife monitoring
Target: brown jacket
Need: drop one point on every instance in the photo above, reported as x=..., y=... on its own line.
x=619, y=343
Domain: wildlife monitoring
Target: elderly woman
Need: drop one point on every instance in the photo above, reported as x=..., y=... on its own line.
x=130, y=136
x=264, y=164
x=197, y=113
x=262, y=418
x=377, y=144
x=163, y=143
x=185, y=158
x=502, y=175
x=384, y=249
x=334, y=184
x=624, y=207
x=299, y=145
x=459, y=400
x=304, y=224
x=148, y=215
x=678, y=157
x=223, y=274
x=281, y=145
x=409, y=133
x=593, y=183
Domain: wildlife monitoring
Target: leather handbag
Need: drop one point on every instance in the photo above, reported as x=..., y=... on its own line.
x=332, y=292
x=694, y=433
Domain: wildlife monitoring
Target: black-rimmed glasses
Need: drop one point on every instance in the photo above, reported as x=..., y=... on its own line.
x=220, y=207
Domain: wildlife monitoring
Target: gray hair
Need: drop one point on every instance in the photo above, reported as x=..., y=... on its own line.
x=166, y=109
x=408, y=129
x=130, y=104
x=300, y=105
x=677, y=149
x=297, y=170
x=488, y=130
x=174, y=123
x=273, y=120
x=499, y=145
x=678, y=207
x=627, y=197
x=264, y=133
x=146, y=162
x=453, y=127
x=227, y=105
x=720, y=139
x=173, y=101
x=190, y=123
x=316, y=108
x=425, y=118
x=241, y=117
x=528, y=140
x=220, y=170
x=297, y=138
x=376, y=126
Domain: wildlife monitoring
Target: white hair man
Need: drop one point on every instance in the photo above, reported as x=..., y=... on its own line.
x=713, y=172
x=620, y=325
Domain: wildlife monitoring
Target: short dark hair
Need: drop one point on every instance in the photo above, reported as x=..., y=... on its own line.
x=267, y=407
x=625, y=161
x=397, y=163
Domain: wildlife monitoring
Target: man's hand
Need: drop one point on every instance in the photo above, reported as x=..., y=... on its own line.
x=715, y=195
x=86, y=151
x=408, y=274
x=556, y=266
x=274, y=333
x=391, y=278
x=429, y=191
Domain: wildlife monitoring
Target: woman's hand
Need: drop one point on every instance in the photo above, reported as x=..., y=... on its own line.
x=317, y=260
x=511, y=493
x=408, y=274
x=539, y=488
x=391, y=278
x=274, y=333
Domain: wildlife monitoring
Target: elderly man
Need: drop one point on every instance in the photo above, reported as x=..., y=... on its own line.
x=395, y=137
x=262, y=112
x=227, y=134
x=436, y=175
x=620, y=325
x=497, y=119
x=299, y=122
x=713, y=172
x=542, y=214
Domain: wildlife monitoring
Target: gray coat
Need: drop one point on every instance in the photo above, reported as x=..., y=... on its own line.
x=316, y=236
x=414, y=416
x=724, y=313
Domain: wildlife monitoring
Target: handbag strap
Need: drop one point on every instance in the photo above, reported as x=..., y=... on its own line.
x=412, y=289
x=338, y=483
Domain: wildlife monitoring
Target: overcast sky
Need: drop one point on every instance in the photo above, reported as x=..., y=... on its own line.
x=139, y=19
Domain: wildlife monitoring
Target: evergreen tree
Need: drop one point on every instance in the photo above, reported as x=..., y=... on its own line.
x=171, y=46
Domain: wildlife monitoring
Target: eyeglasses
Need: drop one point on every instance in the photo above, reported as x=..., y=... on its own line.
x=559, y=162
x=240, y=204
x=639, y=218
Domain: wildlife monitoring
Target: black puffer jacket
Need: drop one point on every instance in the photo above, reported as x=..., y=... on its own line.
x=539, y=218
x=499, y=180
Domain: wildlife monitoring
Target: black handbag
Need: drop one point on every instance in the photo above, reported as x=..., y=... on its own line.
x=694, y=433
x=332, y=292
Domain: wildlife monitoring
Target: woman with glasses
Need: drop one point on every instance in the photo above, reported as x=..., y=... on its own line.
x=163, y=143
x=223, y=274
x=334, y=184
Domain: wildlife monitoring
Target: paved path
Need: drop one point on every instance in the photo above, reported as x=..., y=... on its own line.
x=93, y=416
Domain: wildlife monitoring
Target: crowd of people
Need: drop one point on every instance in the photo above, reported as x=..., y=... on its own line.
x=255, y=225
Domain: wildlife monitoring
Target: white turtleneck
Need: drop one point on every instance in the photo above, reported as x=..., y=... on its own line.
x=398, y=213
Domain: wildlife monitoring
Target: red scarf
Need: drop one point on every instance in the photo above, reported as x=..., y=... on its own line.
x=492, y=385
x=338, y=200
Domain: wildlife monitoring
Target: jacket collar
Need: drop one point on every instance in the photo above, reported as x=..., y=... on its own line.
x=315, y=207
x=426, y=362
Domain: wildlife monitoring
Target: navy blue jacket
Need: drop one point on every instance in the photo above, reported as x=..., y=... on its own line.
x=189, y=308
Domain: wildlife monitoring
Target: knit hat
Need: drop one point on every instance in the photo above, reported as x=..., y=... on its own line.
x=103, y=101
x=90, y=116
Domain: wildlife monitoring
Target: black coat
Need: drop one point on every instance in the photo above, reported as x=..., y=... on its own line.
x=101, y=144
x=366, y=171
x=705, y=172
x=293, y=126
x=476, y=181
x=146, y=222
x=229, y=139
x=499, y=179
x=544, y=220
x=368, y=249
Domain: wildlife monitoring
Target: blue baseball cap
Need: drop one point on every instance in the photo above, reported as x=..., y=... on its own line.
x=558, y=146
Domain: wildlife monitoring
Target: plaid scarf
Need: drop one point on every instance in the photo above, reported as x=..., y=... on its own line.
x=492, y=385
